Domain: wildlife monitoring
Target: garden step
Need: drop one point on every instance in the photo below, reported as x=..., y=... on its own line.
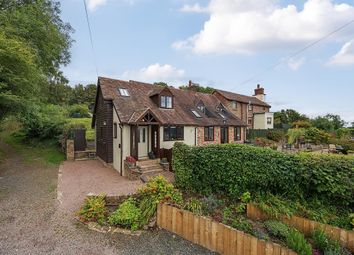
x=147, y=162
x=148, y=168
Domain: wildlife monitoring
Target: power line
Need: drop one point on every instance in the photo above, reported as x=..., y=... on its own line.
x=90, y=33
x=298, y=52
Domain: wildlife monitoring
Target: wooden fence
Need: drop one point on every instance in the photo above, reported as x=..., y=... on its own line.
x=213, y=235
x=306, y=226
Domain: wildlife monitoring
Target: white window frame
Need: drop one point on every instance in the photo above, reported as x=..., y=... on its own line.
x=123, y=92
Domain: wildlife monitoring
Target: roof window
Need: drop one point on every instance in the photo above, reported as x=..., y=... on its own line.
x=196, y=114
x=123, y=92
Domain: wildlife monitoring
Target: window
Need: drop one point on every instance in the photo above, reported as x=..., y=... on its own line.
x=269, y=120
x=123, y=92
x=166, y=102
x=234, y=104
x=250, y=107
x=172, y=133
x=209, y=134
x=201, y=107
x=196, y=114
x=249, y=121
x=143, y=135
x=115, y=130
x=237, y=133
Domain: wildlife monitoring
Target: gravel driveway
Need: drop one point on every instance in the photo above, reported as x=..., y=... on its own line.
x=31, y=222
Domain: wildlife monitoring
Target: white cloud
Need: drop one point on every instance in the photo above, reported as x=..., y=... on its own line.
x=156, y=73
x=93, y=4
x=294, y=64
x=196, y=8
x=247, y=26
x=345, y=56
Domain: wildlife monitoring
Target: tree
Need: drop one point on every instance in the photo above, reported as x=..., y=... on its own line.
x=161, y=84
x=34, y=43
x=198, y=88
x=329, y=122
x=289, y=116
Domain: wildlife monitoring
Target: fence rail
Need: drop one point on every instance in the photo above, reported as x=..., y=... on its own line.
x=306, y=226
x=213, y=235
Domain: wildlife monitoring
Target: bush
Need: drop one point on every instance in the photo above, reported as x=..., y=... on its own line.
x=317, y=136
x=78, y=111
x=277, y=229
x=43, y=121
x=295, y=135
x=276, y=135
x=94, y=209
x=263, y=142
x=127, y=215
x=323, y=242
x=157, y=190
x=232, y=169
x=194, y=205
x=297, y=242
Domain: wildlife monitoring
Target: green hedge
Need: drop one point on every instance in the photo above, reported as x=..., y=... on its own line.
x=231, y=169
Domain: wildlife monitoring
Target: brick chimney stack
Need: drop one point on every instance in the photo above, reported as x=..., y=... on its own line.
x=259, y=93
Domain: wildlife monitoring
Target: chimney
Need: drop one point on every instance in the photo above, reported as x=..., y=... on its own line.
x=190, y=84
x=259, y=93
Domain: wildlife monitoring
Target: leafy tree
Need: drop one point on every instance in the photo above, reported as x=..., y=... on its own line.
x=289, y=116
x=81, y=94
x=198, y=88
x=329, y=122
x=162, y=84
x=34, y=43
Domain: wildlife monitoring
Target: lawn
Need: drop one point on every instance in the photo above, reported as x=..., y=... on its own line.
x=90, y=132
x=44, y=152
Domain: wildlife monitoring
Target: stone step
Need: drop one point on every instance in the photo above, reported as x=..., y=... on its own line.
x=147, y=162
x=150, y=167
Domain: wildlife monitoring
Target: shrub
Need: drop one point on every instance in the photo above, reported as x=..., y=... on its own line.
x=295, y=135
x=263, y=142
x=317, y=136
x=297, y=242
x=194, y=205
x=94, y=209
x=276, y=135
x=43, y=121
x=301, y=124
x=127, y=215
x=323, y=242
x=232, y=169
x=277, y=228
x=211, y=203
x=157, y=190
x=243, y=224
x=78, y=111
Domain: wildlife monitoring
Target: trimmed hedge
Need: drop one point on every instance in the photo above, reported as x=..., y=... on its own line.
x=232, y=169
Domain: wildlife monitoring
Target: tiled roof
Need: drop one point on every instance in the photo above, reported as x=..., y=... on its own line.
x=242, y=98
x=130, y=108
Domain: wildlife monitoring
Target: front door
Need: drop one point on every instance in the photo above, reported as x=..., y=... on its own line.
x=224, y=136
x=142, y=142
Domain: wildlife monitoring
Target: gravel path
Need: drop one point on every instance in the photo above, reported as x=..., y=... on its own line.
x=31, y=223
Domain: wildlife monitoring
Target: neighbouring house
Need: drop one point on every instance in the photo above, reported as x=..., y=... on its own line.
x=143, y=120
x=252, y=110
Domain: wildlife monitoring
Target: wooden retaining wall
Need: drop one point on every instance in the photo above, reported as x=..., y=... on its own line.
x=306, y=226
x=213, y=235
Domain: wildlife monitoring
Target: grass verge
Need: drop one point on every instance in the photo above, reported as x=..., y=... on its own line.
x=44, y=152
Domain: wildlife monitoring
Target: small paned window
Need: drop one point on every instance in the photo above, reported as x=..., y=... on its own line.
x=234, y=104
x=250, y=107
x=209, y=134
x=237, y=133
x=123, y=92
x=166, y=102
x=269, y=120
x=172, y=133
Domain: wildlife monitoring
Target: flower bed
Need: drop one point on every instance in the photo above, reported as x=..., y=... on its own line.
x=345, y=237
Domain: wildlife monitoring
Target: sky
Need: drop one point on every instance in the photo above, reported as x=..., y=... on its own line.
x=227, y=44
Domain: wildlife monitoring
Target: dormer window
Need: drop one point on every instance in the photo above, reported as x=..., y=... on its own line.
x=196, y=114
x=123, y=92
x=166, y=102
x=201, y=107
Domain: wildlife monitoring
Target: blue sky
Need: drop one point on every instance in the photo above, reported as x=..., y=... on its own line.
x=222, y=43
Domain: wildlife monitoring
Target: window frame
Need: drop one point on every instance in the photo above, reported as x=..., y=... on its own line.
x=115, y=130
x=234, y=104
x=123, y=92
x=163, y=101
x=250, y=107
x=269, y=120
x=179, y=135
x=207, y=133
x=237, y=135
x=250, y=119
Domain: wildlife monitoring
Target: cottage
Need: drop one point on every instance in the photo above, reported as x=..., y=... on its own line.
x=142, y=120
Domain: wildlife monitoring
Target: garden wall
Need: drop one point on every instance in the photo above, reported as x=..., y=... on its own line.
x=232, y=169
x=306, y=226
x=212, y=235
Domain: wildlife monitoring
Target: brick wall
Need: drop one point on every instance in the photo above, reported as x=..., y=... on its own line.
x=200, y=136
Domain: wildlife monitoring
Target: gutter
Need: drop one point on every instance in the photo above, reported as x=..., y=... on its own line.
x=121, y=150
